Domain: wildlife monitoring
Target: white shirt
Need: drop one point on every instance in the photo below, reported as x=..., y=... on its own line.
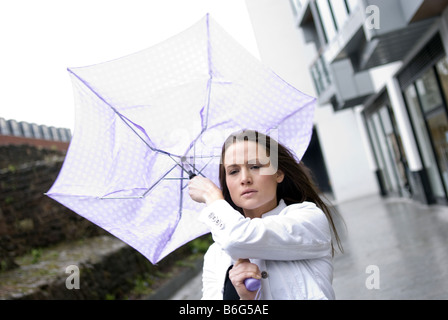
x=291, y=243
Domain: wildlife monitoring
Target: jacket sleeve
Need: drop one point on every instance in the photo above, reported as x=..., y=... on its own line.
x=300, y=231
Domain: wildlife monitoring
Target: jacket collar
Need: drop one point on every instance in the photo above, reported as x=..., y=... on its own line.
x=276, y=210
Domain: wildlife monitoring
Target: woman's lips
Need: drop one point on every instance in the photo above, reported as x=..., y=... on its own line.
x=248, y=192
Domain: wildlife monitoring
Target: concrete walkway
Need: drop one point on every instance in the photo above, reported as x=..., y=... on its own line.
x=393, y=249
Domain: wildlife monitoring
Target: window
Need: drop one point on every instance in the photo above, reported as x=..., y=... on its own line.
x=424, y=142
x=428, y=91
x=387, y=166
x=296, y=5
x=352, y=4
x=326, y=17
x=442, y=71
x=388, y=151
x=438, y=129
x=339, y=12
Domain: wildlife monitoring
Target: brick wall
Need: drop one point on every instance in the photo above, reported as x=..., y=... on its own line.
x=41, y=144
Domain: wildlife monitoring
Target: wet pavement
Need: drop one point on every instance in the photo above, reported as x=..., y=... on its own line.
x=404, y=243
x=393, y=249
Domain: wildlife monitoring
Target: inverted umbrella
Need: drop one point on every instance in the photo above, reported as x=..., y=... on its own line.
x=147, y=121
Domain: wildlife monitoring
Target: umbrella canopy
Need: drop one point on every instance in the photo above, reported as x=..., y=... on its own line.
x=142, y=119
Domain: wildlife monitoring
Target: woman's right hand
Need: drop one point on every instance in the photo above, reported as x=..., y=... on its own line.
x=204, y=190
x=242, y=270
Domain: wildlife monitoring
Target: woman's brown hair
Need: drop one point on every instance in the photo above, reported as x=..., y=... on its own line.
x=297, y=185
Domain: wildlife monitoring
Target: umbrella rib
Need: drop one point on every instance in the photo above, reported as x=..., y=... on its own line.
x=210, y=73
x=198, y=172
x=117, y=113
x=209, y=87
x=157, y=182
x=146, y=192
x=123, y=118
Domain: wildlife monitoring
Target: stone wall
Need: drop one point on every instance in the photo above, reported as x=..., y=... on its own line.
x=28, y=218
x=107, y=268
x=13, y=156
x=39, y=237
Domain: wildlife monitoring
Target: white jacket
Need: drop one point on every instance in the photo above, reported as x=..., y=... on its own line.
x=292, y=244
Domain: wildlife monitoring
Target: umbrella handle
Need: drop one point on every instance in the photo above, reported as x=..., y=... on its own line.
x=186, y=166
x=252, y=284
x=191, y=175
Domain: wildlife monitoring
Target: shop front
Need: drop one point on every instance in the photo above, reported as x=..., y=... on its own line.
x=423, y=82
x=392, y=169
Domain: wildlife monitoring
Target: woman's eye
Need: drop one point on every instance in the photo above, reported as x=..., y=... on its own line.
x=232, y=172
x=255, y=167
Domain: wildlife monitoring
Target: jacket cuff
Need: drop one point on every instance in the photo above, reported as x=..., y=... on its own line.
x=218, y=214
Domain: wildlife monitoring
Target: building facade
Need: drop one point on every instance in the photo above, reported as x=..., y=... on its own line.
x=406, y=118
x=381, y=66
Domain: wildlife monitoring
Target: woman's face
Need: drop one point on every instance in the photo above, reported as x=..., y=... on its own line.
x=251, y=186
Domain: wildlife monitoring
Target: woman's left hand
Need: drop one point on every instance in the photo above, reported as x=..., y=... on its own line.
x=204, y=190
x=242, y=270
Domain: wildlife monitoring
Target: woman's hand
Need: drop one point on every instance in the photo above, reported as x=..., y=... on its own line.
x=204, y=190
x=242, y=270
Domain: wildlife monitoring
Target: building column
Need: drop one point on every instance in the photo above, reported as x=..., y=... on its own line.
x=365, y=138
x=364, y=133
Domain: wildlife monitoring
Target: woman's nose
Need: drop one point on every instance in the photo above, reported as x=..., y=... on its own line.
x=246, y=177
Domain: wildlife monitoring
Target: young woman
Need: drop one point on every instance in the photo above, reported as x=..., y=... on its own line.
x=268, y=222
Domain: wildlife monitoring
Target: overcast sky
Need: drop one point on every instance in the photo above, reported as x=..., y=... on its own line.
x=40, y=39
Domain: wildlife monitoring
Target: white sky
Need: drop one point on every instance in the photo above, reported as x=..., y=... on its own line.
x=40, y=39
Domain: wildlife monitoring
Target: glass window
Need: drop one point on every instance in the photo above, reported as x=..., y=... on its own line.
x=442, y=70
x=327, y=19
x=352, y=4
x=390, y=173
x=438, y=128
x=45, y=132
x=26, y=129
x=379, y=155
x=428, y=91
x=320, y=75
x=339, y=12
x=317, y=79
x=36, y=132
x=394, y=151
x=387, y=124
x=324, y=72
x=15, y=128
x=4, y=127
x=297, y=5
x=424, y=141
